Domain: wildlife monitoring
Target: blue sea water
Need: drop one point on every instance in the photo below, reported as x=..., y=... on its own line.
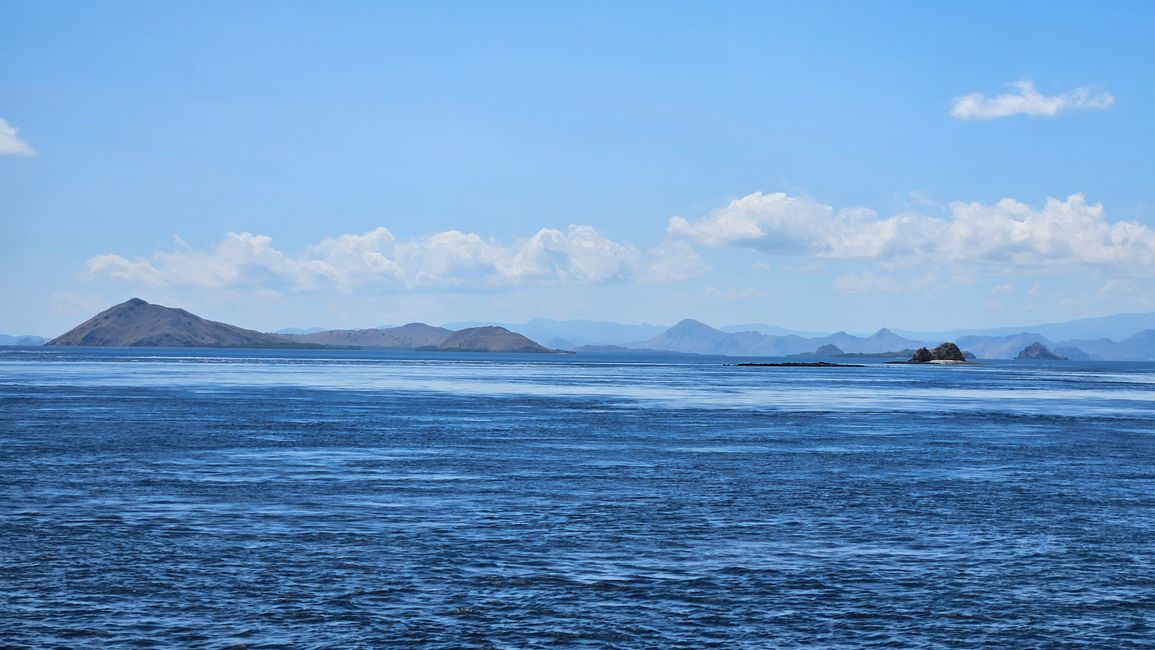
x=261, y=499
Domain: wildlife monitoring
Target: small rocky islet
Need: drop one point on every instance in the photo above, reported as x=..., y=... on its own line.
x=944, y=353
x=1038, y=352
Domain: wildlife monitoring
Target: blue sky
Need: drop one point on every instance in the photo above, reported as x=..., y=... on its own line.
x=833, y=166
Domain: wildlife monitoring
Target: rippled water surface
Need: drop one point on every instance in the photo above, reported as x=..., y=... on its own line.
x=359, y=499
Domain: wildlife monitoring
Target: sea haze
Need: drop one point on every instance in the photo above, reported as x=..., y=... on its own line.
x=341, y=498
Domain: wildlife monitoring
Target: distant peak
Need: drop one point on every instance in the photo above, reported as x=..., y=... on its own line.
x=135, y=302
x=883, y=332
x=690, y=322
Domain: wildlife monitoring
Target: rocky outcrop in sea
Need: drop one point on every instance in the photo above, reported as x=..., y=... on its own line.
x=1038, y=351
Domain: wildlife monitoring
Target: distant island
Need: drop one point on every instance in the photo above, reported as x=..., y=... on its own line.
x=136, y=323
x=22, y=339
x=945, y=353
x=405, y=337
x=1038, y=351
x=490, y=338
x=153, y=326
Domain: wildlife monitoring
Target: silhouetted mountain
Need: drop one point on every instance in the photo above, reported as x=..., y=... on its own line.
x=1001, y=347
x=823, y=352
x=1140, y=347
x=760, y=339
x=1038, y=351
x=1116, y=328
x=883, y=340
x=694, y=336
x=1072, y=353
x=27, y=339
x=560, y=343
x=136, y=323
x=413, y=335
x=486, y=339
x=828, y=351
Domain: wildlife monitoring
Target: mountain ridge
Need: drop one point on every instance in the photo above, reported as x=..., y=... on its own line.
x=488, y=338
x=405, y=337
x=136, y=323
x=22, y=340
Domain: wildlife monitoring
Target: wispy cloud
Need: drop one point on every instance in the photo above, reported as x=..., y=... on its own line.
x=1028, y=101
x=1007, y=233
x=871, y=282
x=446, y=259
x=735, y=293
x=10, y=142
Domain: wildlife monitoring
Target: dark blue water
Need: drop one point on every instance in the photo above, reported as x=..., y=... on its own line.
x=306, y=499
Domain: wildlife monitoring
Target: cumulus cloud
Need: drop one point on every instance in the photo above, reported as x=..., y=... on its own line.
x=1028, y=101
x=116, y=267
x=450, y=258
x=1069, y=231
x=10, y=142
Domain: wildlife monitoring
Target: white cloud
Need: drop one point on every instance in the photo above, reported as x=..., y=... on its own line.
x=1067, y=232
x=115, y=267
x=775, y=223
x=672, y=261
x=450, y=258
x=1028, y=101
x=10, y=142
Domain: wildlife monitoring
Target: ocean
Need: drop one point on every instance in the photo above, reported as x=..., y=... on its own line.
x=359, y=499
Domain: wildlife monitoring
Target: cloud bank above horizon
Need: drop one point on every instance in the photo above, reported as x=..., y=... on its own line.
x=1008, y=233
x=447, y=259
x=916, y=250
x=1029, y=101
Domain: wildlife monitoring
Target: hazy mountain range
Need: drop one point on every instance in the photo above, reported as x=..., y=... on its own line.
x=1109, y=338
x=1121, y=337
x=694, y=336
x=24, y=339
x=1115, y=328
